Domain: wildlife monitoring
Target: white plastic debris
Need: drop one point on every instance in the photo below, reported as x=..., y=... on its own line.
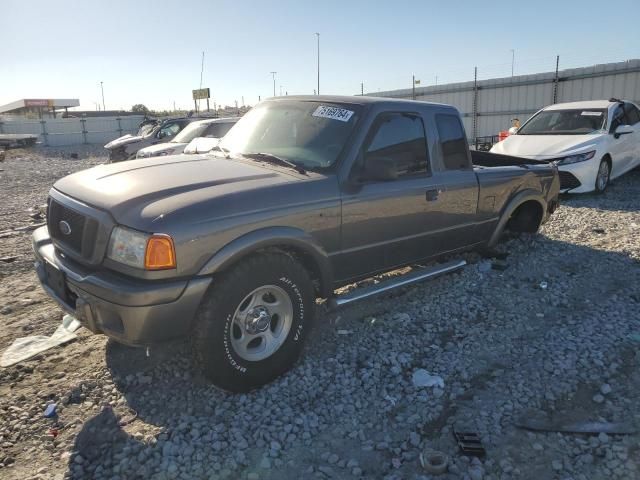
x=26, y=347
x=422, y=378
x=71, y=323
x=544, y=285
x=344, y=332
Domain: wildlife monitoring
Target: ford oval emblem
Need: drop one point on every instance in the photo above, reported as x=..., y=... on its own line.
x=65, y=228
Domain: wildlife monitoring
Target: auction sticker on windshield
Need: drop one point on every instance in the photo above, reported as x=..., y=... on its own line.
x=333, y=113
x=591, y=114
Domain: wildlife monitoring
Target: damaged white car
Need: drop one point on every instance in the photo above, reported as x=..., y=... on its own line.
x=591, y=142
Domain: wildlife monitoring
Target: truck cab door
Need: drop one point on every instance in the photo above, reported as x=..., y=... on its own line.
x=392, y=202
x=460, y=197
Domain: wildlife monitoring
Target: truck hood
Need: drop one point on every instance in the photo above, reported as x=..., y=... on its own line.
x=139, y=192
x=124, y=140
x=546, y=146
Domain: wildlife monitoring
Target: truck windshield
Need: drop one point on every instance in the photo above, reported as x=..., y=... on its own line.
x=191, y=131
x=565, y=122
x=308, y=133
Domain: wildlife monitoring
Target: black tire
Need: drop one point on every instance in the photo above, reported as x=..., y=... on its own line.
x=526, y=220
x=602, y=184
x=211, y=336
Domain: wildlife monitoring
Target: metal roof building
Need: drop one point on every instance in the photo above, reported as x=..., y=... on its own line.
x=487, y=106
x=38, y=107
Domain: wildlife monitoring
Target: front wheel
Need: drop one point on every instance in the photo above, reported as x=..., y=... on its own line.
x=602, y=179
x=252, y=325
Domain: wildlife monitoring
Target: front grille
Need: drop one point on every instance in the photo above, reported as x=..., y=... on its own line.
x=81, y=238
x=568, y=180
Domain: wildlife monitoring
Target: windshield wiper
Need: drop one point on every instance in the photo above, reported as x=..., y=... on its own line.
x=224, y=151
x=269, y=157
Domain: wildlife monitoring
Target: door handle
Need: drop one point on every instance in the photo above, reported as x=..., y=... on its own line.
x=432, y=195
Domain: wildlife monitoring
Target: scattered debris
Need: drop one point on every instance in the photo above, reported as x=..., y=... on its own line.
x=127, y=419
x=599, y=230
x=469, y=443
x=434, y=462
x=543, y=285
x=26, y=228
x=484, y=267
x=74, y=156
x=71, y=323
x=8, y=259
x=422, y=378
x=541, y=425
x=50, y=411
x=27, y=347
x=344, y=332
x=499, y=265
x=634, y=337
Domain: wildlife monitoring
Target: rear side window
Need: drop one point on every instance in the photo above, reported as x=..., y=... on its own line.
x=400, y=137
x=218, y=130
x=619, y=118
x=452, y=142
x=633, y=114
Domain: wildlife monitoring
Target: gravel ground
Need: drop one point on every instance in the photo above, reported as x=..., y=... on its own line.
x=554, y=336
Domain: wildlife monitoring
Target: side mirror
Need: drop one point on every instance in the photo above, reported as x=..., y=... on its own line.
x=623, y=130
x=380, y=169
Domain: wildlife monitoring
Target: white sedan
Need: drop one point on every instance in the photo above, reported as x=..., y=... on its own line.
x=591, y=142
x=210, y=129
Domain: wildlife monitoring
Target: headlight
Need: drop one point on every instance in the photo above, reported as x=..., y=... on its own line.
x=581, y=157
x=141, y=250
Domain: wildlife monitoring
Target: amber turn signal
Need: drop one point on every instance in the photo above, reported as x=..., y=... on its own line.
x=160, y=254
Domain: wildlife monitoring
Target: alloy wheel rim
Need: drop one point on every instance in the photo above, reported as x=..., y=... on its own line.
x=261, y=323
x=603, y=175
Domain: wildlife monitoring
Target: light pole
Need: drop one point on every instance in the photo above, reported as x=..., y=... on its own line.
x=513, y=60
x=102, y=89
x=318, y=37
x=273, y=74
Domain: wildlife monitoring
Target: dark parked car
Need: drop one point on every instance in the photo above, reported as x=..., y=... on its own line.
x=303, y=195
x=126, y=147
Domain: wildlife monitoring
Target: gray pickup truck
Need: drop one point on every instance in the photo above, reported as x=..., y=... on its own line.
x=302, y=196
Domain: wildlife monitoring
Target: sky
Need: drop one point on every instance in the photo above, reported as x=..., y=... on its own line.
x=151, y=52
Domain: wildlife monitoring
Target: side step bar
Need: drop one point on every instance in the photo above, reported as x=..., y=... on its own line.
x=413, y=277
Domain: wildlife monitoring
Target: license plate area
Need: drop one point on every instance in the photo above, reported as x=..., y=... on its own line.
x=56, y=280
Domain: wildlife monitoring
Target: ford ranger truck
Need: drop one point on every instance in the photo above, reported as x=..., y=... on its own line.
x=303, y=195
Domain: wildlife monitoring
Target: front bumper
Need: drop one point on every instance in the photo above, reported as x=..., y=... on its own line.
x=132, y=311
x=579, y=177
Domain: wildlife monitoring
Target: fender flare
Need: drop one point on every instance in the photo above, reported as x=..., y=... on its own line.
x=511, y=206
x=284, y=237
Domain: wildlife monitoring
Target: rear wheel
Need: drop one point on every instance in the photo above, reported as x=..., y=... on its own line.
x=602, y=179
x=252, y=325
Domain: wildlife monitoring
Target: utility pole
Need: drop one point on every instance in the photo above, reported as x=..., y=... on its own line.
x=318, y=37
x=273, y=74
x=413, y=87
x=513, y=60
x=555, y=81
x=436, y=79
x=201, y=71
x=362, y=89
x=102, y=89
x=475, y=104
